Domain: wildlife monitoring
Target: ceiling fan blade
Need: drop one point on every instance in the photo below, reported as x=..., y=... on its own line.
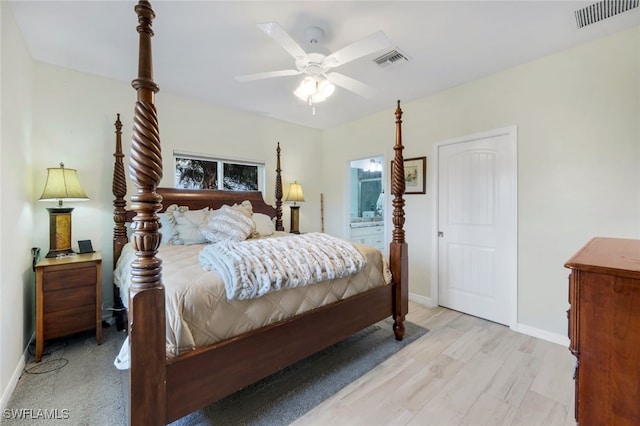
x=276, y=32
x=268, y=74
x=363, y=47
x=352, y=85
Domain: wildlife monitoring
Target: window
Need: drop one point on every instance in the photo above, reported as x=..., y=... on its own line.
x=195, y=171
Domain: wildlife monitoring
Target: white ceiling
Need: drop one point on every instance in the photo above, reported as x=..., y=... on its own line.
x=199, y=46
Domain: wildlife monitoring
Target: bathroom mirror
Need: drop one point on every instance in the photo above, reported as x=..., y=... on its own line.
x=367, y=199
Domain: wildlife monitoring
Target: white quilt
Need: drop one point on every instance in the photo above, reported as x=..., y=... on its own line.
x=253, y=268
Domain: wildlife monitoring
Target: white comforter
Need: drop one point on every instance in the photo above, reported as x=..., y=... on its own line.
x=255, y=267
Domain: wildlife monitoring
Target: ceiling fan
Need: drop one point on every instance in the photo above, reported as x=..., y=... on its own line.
x=316, y=66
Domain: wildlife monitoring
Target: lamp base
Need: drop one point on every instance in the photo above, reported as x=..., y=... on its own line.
x=60, y=253
x=59, y=231
x=295, y=220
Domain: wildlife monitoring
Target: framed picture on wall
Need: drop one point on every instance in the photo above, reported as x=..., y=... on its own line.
x=415, y=175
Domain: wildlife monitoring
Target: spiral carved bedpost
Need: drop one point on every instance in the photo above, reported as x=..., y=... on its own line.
x=119, y=190
x=146, y=296
x=398, y=250
x=279, y=226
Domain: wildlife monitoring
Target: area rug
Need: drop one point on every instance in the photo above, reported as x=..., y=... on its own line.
x=283, y=397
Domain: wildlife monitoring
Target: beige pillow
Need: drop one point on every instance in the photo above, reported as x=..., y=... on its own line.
x=245, y=208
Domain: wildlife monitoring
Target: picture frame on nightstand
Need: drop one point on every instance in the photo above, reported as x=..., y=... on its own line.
x=85, y=246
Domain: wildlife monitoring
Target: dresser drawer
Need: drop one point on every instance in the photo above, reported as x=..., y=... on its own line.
x=55, y=279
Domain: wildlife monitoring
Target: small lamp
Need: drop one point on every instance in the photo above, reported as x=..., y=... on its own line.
x=62, y=185
x=295, y=195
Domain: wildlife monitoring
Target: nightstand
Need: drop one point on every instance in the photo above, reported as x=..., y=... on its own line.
x=68, y=297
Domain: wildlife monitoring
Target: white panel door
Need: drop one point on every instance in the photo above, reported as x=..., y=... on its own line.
x=477, y=223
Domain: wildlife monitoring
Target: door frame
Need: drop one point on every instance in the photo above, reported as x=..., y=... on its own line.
x=512, y=133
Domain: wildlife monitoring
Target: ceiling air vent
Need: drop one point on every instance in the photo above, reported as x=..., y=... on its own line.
x=602, y=10
x=390, y=58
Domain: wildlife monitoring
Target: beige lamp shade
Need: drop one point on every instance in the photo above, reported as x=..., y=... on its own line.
x=295, y=193
x=62, y=184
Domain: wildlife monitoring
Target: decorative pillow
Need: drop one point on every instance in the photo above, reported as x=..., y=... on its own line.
x=264, y=224
x=227, y=223
x=245, y=208
x=166, y=229
x=186, y=224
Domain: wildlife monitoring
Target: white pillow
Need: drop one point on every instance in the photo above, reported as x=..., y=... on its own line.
x=264, y=224
x=186, y=224
x=227, y=223
x=166, y=229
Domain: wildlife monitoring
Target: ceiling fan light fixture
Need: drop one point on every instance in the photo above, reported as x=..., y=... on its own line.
x=313, y=91
x=326, y=88
x=307, y=86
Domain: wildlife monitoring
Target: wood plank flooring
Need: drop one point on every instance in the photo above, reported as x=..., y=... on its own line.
x=464, y=371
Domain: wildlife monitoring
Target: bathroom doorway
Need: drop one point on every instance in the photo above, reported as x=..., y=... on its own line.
x=367, y=202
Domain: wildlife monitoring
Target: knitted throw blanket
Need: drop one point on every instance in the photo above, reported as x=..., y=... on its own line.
x=252, y=268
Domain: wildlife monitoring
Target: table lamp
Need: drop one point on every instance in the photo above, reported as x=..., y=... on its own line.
x=62, y=185
x=295, y=195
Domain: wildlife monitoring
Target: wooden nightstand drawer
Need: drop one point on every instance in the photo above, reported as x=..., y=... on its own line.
x=71, y=321
x=69, y=278
x=78, y=296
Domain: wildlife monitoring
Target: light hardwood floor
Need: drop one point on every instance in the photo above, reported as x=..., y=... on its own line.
x=464, y=371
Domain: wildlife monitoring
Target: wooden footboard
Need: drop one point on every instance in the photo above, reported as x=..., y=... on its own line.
x=204, y=376
x=162, y=391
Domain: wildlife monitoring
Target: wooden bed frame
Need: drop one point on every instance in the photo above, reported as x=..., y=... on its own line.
x=163, y=390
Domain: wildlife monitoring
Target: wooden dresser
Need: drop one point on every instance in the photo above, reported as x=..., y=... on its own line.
x=68, y=297
x=604, y=331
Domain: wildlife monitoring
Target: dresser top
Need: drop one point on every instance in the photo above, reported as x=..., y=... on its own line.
x=616, y=256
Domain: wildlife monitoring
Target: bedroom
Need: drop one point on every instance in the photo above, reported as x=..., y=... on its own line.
x=594, y=88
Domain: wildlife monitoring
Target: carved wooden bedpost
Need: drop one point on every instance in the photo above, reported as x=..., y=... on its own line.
x=119, y=190
x=279, y=226
x=398, y=248
x=146, y=296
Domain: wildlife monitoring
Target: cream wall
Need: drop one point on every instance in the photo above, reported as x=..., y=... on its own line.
x=16, y=215
x=578, y=119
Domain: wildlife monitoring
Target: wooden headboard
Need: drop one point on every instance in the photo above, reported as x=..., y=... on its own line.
x=193, y=198
x=201, y=198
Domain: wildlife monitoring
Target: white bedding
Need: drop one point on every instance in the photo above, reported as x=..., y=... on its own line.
x=198, y=312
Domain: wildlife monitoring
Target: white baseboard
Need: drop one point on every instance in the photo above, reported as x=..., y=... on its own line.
x=542, y=334
x=520, y=328
x=8, y=391
x=422, y=300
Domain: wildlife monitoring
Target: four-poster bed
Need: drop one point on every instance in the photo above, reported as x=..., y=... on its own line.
x=162, y=388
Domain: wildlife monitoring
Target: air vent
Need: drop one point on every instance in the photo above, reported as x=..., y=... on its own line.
x=390, y=58
x=602, y=10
